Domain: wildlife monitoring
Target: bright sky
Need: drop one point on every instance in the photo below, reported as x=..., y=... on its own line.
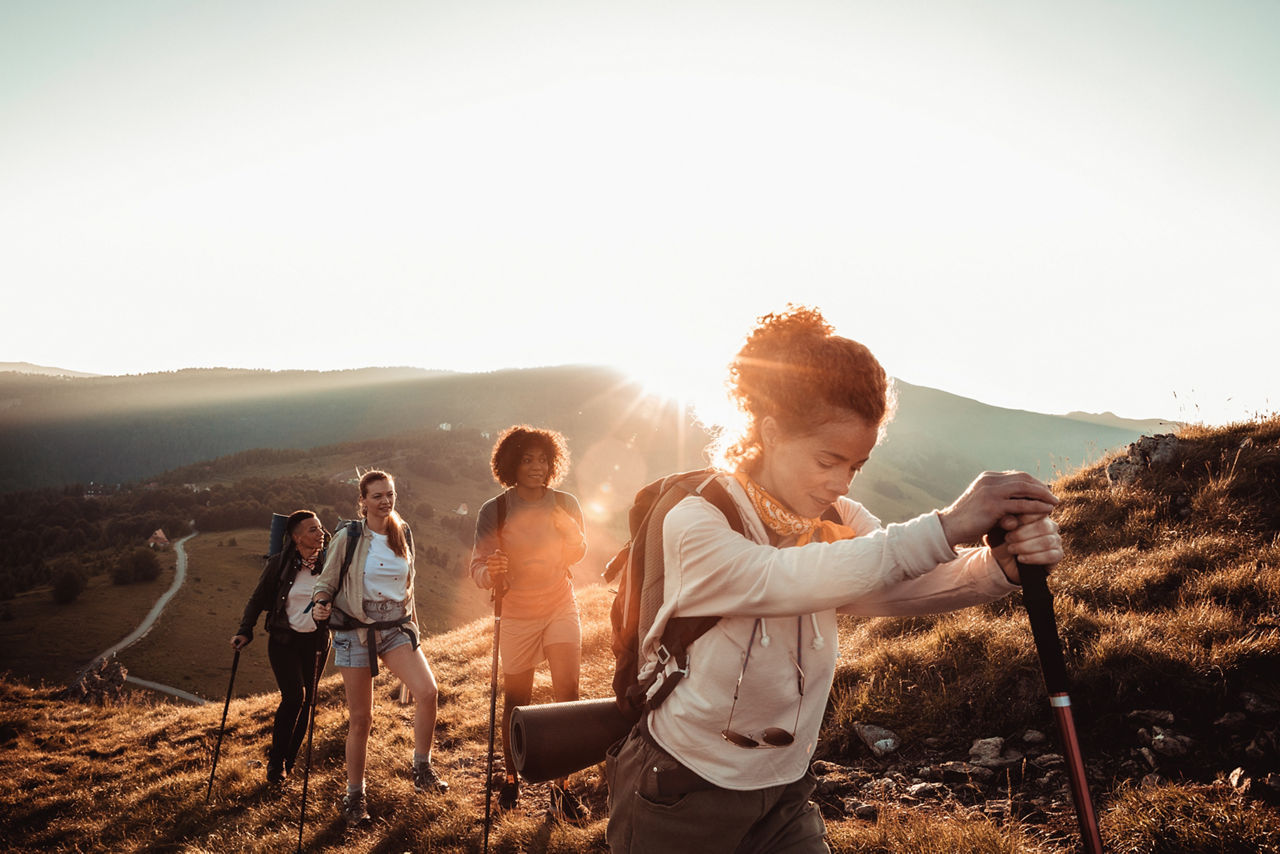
x=1040, y=205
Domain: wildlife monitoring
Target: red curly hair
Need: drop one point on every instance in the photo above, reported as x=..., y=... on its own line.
x=794, y=368
x=515, y=441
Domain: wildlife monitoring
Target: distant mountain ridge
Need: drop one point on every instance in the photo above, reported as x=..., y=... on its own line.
x=42, y=370
x=1110, y=419
x=60, y=430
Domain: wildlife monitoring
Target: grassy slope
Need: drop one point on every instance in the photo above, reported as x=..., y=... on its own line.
x=1158, y=610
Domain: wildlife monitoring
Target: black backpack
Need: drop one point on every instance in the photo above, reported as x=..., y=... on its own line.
x=641, y=566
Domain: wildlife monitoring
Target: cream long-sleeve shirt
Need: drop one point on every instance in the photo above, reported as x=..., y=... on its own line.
x=900, y=569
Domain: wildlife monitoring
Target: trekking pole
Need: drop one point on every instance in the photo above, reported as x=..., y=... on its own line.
x=1044, y=629
x=217, y=747
x=321, y=654
x=493, y=707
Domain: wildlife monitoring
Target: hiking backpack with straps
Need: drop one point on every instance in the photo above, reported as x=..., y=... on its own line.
x=639, y=567
x=355, y=530
x=500, y=508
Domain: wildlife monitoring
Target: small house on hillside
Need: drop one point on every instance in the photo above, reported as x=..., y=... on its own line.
x=158, y=540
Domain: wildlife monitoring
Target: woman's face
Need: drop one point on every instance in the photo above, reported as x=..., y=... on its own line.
x=379, y=499
x=308, y=535
x=533, y=469
x=809, y=472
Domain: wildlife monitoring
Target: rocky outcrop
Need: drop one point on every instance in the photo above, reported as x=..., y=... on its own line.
x=103, y=681
x=1146, y=453
x=1025, y=778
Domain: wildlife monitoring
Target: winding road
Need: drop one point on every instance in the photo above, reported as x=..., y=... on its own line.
x=148, y=622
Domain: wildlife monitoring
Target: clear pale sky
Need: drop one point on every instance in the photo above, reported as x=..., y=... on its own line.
x=1041, y=205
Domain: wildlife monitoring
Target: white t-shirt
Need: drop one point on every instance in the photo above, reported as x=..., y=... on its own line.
x=386, y=574
x=296, y=604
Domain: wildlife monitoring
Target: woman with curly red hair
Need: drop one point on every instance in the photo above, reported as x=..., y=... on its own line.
x=526, y=540
x=722, y=765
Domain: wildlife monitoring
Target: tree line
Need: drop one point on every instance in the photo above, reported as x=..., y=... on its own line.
x=55, y=534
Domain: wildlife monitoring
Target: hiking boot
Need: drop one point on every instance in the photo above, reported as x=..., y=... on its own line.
x=353, y=809
x=276, y=774
x=568, y=807
x=508, y=794
x=425, y=778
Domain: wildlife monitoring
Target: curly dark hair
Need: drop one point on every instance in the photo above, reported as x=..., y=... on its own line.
x=515, y=441
x=794, y=368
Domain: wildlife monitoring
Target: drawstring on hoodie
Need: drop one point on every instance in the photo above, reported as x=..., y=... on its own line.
x=818, y=641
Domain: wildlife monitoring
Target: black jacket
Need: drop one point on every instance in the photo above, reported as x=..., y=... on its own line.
x=272, y=591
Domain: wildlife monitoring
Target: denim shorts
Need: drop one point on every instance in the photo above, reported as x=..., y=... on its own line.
x=349, y=646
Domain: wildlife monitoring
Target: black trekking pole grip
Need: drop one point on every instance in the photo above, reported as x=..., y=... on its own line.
x=1044, y=631
x=217, y=747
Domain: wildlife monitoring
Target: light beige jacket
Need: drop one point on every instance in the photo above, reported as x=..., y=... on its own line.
x=350, y=599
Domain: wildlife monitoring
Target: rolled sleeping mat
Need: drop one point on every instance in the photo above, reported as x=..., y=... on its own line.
x=554, y=740
x=275, y=544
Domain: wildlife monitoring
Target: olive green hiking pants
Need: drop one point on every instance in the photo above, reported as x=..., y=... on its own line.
x=657, y=806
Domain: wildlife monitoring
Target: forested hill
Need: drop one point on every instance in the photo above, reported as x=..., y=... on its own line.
x=59, y=430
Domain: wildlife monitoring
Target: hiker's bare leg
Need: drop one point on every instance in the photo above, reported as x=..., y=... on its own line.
x=564, y=660
x=358, y=684
x=517, y=690
x=410, y=667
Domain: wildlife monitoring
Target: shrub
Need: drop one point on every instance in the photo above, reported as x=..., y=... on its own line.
x=140, y=564
x=68, y=586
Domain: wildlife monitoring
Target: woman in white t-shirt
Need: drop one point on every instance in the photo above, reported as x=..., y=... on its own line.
x=296, y=647
x=372, y=597
x=722, y=765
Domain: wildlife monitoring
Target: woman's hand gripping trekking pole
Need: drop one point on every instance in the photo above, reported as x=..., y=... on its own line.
x=1044, y=628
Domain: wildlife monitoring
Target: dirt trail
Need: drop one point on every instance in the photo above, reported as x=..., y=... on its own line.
x=148, y=622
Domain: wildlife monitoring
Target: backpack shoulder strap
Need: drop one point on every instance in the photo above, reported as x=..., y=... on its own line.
x=500, y=506
x=680, y=632
x=715, y=492
x=354, y=532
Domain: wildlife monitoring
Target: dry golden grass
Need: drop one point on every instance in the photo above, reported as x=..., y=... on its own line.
x=1190, y=820
x=905, y=832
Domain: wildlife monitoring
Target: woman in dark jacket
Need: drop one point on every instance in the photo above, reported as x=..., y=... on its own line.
x=296, y=646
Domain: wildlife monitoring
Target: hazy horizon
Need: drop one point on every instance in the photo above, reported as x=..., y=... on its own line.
x=1041, y=207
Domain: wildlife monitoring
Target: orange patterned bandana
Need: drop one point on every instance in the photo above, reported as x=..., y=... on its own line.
x=784, y=523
